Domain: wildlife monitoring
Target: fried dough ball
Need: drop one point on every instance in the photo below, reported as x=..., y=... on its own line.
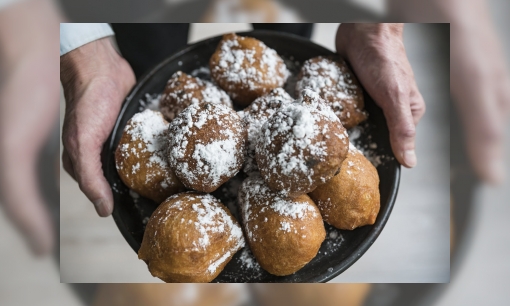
x=255, y=115
x=351, y=199
x=190, y=238
x=207, y=145
x=335, y=82
x=182, y=90
x=140, y=158
x=301, y=146
x=246, y=68
x=283, y=233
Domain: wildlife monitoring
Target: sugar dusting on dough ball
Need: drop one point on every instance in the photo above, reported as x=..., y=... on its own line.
x=182, y=90
x=190, y=238
x=246, y=68
x=140, y=159
x=284, y=233
x=206, y=145
x=301, y=146
x=334, y=81
x=255, y=115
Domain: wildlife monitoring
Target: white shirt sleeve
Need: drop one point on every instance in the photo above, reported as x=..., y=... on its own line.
x=74, y=35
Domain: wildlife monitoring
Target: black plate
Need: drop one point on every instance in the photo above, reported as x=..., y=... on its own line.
x=341, y=249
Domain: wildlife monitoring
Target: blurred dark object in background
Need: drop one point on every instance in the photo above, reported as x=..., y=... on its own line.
x=158, y=41
x=161, y=40
x=217, y=11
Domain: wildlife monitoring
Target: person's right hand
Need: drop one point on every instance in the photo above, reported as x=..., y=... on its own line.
x=96, y=79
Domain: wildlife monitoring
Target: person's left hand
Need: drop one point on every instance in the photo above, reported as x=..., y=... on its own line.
x=376, y=53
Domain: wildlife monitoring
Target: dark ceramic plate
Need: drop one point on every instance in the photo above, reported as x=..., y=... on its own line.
x=341, y=249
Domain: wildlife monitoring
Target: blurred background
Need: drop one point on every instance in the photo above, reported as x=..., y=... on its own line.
x=480, y=267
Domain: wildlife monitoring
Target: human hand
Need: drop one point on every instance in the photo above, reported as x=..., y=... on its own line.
x=28, y=110
x=377, y=55
x=480, y=80
x=96, y=79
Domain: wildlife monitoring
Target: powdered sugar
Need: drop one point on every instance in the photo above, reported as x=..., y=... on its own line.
x=332, y=243
x=254, y=191
x=209, y=218
x=367, y=146
x=255, y=116
x=291, y=208
x=251, y=65
x=249, y=264
x=202, y=72
x=296, y=134
x=285, y=226
x=147, y=131
x=215, y=264
x=218, y=157
x=211, y=160
x=248, y=260
x=333, y=80
x=183, y=90
x=147, y=126
x=150, y=101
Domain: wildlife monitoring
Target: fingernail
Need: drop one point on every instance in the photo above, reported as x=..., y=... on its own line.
x=409, y=158
x=496, y=171
x=102, y=208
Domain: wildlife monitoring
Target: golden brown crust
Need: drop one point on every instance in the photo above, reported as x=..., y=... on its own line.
x=284, y=233
x=190, y=238
x=301, y=146
x=140, y=159
x=337, y=84
x=182, y=90
x=206, y=147
x=246, y=68
x=351, y=199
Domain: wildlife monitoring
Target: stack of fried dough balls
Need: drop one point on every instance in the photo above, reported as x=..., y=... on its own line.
x=299, y=168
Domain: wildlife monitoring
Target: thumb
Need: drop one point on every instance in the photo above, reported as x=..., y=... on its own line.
x=402, y=132
x=89, y=175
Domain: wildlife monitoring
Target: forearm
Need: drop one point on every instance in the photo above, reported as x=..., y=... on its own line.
x=359, y=37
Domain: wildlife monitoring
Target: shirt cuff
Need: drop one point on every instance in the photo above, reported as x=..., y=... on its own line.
x=74, y=35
